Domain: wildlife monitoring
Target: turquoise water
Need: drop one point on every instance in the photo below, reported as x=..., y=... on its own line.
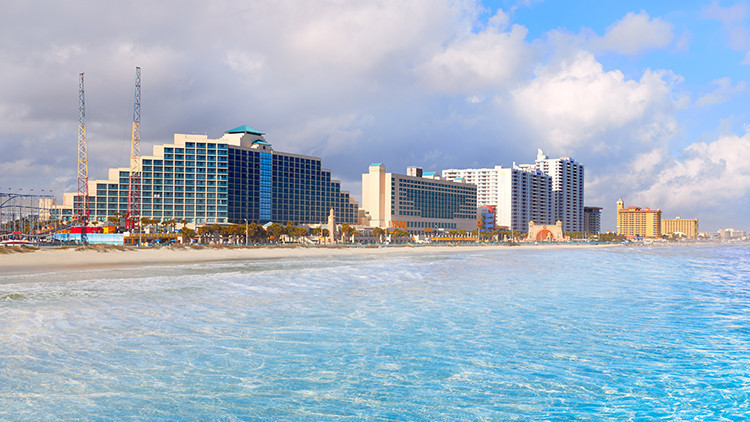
x=518, y=333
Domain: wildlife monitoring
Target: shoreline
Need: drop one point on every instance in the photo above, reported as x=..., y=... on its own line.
x=94, y=257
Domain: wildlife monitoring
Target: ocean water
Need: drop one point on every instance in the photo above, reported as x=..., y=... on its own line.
x=518, y=333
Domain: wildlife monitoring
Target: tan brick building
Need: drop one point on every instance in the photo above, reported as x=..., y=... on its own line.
x=634, y=221
x=689, y=228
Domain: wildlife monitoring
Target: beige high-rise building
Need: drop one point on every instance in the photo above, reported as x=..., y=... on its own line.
x=634, y=221
x=418, y=202
x=688, y=228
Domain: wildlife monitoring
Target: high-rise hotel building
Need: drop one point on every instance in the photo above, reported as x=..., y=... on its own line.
x=634, y=221
x=518, y=195
x=687, y=227
x=567, y=190
x=421, y=203
x=592, y=220
x=227, y=180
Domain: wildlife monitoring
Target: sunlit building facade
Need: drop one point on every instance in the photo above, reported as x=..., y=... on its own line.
x=637, y=222
x=567, y=190
x=234, y=178
x=518, y=195
x=420, y=203
x=679, y=227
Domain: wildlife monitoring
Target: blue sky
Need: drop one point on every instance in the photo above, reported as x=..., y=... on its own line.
x=651, y=97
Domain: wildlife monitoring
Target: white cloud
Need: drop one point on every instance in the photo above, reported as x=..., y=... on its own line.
x=571, y=104
x=683, y=43
x=726, y=15
x=724, y=92
x=635, y=33
x=492, y=58
x=707, y=177
x=327, y=135
x=732, y=19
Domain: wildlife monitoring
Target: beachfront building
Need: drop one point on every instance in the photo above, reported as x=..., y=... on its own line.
x=729, y=234
x=592, y=220
x=234, y=178
x=545, y=232
x=519, y=194
x=567, y=189
x=680, y=227
x=486, y=180
x=418, y=202
x=486, y=217
x=637, y=222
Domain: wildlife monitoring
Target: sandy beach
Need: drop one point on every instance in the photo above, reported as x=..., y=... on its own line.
x=47, y=259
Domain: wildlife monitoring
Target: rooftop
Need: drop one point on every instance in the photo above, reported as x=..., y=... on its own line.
x=245, y=129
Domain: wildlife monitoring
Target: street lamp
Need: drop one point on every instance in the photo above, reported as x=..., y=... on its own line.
x=246, y=232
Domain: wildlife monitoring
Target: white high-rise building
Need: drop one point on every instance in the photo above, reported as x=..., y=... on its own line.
x=486, y=179
x=519, y=194
x=567, y=190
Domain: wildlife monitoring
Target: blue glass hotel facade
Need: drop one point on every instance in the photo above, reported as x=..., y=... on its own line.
x=234, y=178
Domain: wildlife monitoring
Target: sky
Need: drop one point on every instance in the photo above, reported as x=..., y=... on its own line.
x=651, y=97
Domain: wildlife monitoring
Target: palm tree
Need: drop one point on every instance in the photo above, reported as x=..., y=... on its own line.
x=203, y=233
x=400, y=234
x=225, y=232
x=115, y=219
x=170, y=222
x=276, y=230
x=344, y=231
x=187, y=234
x=299, y=232
x=351, y=231
x=378, y=232
x=256, y=232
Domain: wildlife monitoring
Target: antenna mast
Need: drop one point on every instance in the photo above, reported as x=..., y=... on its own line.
x=82, y=210
x=134, y=183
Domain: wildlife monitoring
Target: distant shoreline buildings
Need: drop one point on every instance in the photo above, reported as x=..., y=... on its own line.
x=548, y=191
x=633, y=222
x=240, y=178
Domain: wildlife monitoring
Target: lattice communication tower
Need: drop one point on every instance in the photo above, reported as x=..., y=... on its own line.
x=134, y=183
x=82, y=209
